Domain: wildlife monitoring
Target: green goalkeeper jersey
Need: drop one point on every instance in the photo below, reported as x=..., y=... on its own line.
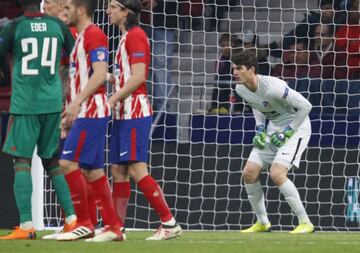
x=36, y=42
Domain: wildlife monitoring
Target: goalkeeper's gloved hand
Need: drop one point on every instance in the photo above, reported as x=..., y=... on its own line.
x=259, y=138
x=280, y=138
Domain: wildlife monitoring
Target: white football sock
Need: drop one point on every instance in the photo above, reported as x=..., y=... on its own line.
x=292, y=197
x=70, y=219
x=26, y=225
x=256, y=198
x=171, y=222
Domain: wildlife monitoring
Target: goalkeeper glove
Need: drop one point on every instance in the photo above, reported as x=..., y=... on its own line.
x=280, y=138
x=259, y=138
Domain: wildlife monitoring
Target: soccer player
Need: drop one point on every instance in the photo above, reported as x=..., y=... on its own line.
x=86, y=118
x=56, y=8
x=278, y=144
x=36, y=42
x=133, y=118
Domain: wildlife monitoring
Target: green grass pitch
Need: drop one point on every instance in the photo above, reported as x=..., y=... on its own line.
x=199, y=242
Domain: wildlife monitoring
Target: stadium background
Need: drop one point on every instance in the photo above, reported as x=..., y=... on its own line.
x=198, y=157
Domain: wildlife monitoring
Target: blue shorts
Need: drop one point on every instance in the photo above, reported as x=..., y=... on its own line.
x=130, y=140
x=85, y=143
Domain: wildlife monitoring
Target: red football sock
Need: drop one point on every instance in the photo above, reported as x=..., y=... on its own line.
x=155, y=197
x=92, y=205
x=102, y=194
x=121, y=195
x=79, y=195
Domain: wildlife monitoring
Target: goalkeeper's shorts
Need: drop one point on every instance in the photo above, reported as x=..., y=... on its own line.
x=288, y=155
x=130, y=140
x=27, y=131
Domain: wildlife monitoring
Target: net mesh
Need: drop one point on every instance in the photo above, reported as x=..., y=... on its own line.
x=198, y=149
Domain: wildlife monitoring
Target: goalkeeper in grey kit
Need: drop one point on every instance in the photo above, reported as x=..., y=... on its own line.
x=278, y=144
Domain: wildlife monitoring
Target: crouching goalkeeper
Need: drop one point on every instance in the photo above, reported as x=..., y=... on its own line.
x=279, y=144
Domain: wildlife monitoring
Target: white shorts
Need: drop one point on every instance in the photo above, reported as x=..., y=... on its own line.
x=288, y=155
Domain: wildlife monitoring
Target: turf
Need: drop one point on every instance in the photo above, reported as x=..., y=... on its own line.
x=199, y=242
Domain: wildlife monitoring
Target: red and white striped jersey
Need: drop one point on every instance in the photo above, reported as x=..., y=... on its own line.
x=133, y=48
x=91, y=46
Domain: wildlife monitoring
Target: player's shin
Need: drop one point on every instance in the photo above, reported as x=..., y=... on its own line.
x=155, y=197
x=257, y=201
x=102, y=194
x=292, y=197
x=23, y=191
x=78, y=189
x=121, y=195
x=92, y=205
x=61, y=190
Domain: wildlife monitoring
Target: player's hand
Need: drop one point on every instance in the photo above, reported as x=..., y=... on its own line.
x=64, y=129
x=280, y=138
x=259, y=138
x=110, y=78
x=71, y=113
x=111, y=101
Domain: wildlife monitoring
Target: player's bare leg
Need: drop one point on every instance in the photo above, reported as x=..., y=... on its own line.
x=251, y=175
x=278, y=174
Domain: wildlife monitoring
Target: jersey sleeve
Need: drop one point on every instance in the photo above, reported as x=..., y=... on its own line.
x=95, y=43
x=288, y=96
x=68, y=40
x=260, y=118
x=137, y=46
x=6, y=39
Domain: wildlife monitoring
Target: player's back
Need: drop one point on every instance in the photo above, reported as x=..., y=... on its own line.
x=36, y=43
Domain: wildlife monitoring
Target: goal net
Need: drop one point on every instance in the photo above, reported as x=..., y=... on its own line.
x=202, y=132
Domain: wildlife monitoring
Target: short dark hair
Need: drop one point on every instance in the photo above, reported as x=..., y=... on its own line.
x=88, y=4
x=246, y=57
x=134, y=7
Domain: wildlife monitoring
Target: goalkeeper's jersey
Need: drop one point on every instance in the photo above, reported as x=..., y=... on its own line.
x=275, y=101
x=36, y=42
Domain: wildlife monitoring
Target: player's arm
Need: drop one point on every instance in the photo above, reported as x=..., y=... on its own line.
x=6, y=42
x=69, y=39
x=302, y=108
x=138, y=73
x=66, y=50
x=96, y=80
x=260, y=118
x=260, y=133
x=301, y=105
x=136, y=46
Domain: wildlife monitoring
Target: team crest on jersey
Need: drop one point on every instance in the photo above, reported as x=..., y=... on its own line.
x=266, y=104
x=101, y=55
